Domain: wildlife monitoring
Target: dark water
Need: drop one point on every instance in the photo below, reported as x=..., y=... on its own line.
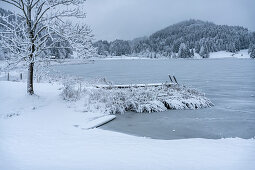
x=229, y=83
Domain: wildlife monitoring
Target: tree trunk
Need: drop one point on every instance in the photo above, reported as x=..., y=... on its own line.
x=30, y=87
x=30, y=76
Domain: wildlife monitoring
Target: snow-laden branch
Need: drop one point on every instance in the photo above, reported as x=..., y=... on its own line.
x=40, y=30
x=13, y=2
x=45, y=29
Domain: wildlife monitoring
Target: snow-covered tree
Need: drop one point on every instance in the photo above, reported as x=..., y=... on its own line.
x=102, y=47
x=192, y=52
x=173, y=55
x=252, y=51
x=184, y=51
x=40, y=26
x=120, y=47
x=204, y=52
x=194, y=34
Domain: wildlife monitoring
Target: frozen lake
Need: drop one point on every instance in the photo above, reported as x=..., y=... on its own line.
x=228, y=83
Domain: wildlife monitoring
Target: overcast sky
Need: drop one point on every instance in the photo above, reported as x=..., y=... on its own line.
x=128, y=19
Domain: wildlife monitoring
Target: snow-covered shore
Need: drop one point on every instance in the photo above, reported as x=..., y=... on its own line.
x=44, y=132
x=242, y=54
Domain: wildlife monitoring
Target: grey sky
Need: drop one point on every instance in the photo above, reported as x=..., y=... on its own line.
x=128, y=19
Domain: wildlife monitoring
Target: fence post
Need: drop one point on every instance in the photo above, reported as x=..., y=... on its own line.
x=8, y=77
x=38, y=78
x=20, y=76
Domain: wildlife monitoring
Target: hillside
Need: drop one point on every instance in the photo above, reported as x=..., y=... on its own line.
x=183, y=40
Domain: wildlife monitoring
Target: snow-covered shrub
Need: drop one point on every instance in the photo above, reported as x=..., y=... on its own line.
x=70, y=93
x=137, y=99
x=129, y=99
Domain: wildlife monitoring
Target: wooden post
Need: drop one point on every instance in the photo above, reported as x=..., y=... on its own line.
x=20, y=76
x=8, y=77
x=175, y=80
x=38, y=79
x=170, y=78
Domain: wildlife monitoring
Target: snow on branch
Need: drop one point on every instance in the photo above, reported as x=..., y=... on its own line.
x=41, y=29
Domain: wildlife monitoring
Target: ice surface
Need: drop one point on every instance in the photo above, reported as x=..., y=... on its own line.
x=228, y=83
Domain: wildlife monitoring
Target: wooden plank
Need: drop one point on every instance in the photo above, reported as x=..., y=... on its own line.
x=134, y=85
x=99, y=122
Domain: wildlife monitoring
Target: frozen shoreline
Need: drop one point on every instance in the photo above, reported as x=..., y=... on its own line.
x=228, y=83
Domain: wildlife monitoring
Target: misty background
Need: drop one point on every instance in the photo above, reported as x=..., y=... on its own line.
x=129, y=19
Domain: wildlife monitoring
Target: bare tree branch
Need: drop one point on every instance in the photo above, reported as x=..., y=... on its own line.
x=11, y=2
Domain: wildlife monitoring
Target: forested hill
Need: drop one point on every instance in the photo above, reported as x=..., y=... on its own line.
x=183, y=40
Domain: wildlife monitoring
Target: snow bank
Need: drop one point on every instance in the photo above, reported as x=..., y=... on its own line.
x=137, y=99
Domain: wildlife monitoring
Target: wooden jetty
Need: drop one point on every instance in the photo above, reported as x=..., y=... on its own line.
x=172, y=82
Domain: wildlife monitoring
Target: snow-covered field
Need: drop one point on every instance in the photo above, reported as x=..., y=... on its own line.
x=44, y=132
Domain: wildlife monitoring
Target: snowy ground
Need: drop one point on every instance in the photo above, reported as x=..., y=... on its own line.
x=44, y=132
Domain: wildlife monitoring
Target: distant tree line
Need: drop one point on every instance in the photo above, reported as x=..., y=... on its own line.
x=252, y=46
x=117, y=47
x=183, y=40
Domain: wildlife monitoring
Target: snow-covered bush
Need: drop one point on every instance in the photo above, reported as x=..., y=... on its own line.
x=130, y=99
x=137, y=99
x=70, y=93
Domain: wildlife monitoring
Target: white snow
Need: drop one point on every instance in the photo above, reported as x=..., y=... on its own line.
x=44, y=132
x=224, y=54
